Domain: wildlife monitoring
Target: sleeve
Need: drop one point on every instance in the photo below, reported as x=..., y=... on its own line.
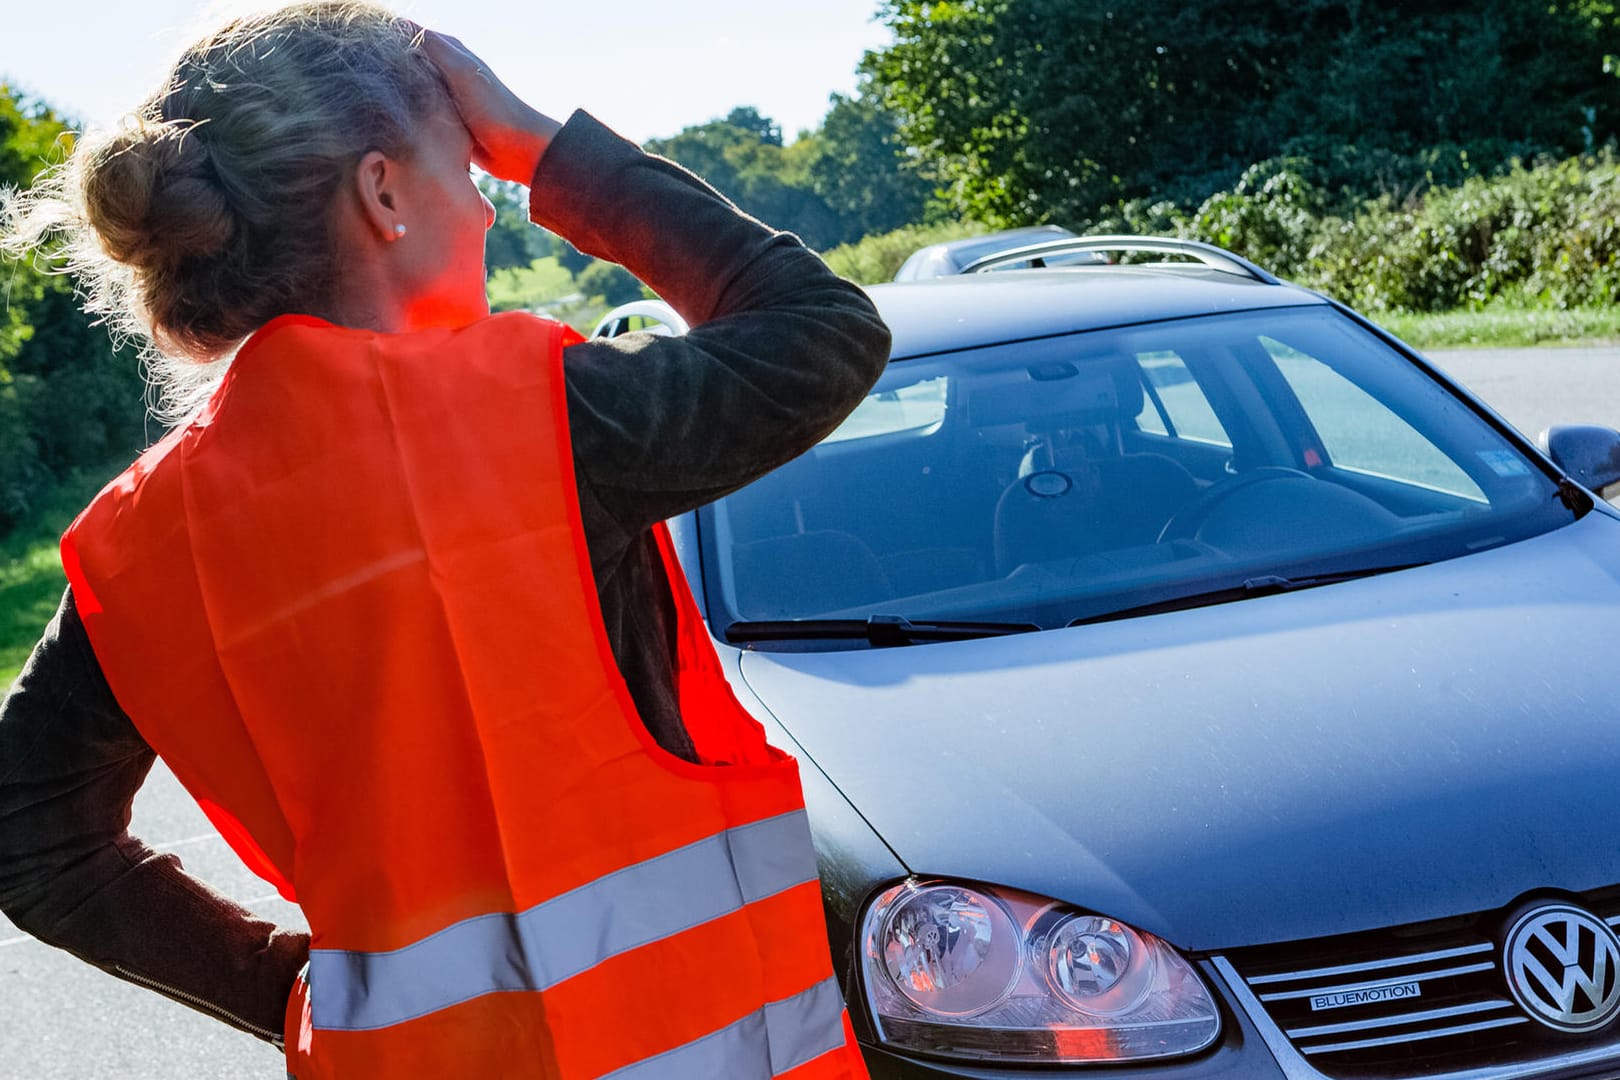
x=73, y=876
x=780, y=351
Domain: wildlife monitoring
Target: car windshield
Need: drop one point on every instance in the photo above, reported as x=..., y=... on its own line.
x=1067, y=478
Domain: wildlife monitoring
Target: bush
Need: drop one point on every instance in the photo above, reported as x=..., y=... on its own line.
x=1543, y=235
x=1270, y=217
x=22, y=477
x=877, y=258
x=68, y=400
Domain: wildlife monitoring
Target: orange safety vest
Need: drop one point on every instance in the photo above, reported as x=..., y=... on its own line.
x=351, y=606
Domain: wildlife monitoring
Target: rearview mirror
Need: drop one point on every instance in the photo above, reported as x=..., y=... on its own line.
x=1589, y=454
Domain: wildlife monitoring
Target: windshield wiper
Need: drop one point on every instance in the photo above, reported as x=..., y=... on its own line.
x=882, y=631
x=1263, y=585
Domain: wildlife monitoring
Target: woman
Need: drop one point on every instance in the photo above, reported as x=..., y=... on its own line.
x=393, y=602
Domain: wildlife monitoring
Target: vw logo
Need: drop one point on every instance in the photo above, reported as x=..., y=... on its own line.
x=1563, y=967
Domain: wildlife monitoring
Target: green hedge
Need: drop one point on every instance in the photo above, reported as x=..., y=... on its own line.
x=1540, y=236
x=877, y=258
x=68, y=400
x=1546, y=235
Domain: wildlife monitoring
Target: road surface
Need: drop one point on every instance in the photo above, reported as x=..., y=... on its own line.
x=1535, y=388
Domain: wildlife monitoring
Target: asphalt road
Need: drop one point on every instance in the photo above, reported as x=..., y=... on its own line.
x=1534, y=389
x=61, y=1019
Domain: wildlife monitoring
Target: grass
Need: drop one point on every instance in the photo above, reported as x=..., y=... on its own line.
x=1503, y=326
x=541, y=281
x=546, y=287
x=31, y=580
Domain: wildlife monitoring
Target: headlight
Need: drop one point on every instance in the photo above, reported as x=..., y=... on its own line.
x=991, y=974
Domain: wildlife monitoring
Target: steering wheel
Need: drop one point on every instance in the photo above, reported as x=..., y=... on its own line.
x=1185, y=522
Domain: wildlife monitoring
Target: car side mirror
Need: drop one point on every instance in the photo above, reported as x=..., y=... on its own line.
x=1589, y=454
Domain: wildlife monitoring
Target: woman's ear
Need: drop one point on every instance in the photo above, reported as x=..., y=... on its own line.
x=376, y=190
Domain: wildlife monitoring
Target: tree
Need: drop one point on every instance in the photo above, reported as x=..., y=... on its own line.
x=31, y=137
x=743, y=157
x=860, y=168
x=573, y=260
x=67, y=399
x=1041, y=110
x=747, y=118
x=613, y=283
x=513, y=241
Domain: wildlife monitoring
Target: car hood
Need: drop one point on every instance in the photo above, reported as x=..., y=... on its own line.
x=1422, y=744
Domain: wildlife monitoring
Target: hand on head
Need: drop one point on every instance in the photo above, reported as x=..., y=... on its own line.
x=510, y=136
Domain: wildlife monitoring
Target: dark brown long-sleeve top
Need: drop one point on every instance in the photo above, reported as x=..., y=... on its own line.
x=781, y=350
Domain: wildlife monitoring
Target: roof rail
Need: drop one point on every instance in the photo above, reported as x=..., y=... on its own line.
x=1211, y=256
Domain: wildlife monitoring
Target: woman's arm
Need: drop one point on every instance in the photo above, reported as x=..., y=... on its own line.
x=780, y=351
x=73, y=876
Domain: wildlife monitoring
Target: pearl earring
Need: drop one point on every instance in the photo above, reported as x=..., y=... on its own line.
x=399, y=231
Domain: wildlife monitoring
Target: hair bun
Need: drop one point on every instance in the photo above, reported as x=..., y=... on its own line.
x=153, y=197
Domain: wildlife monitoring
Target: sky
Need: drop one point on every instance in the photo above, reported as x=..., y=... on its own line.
x=646, y=68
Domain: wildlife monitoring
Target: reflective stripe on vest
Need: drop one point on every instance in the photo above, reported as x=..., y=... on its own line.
x=777, y=1039
x=569, y=934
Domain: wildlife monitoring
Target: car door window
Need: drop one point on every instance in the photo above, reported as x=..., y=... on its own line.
x=1360, y=433
x=1174, y=405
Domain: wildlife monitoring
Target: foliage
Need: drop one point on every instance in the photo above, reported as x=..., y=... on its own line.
x=545, y=287
x=1029, y=111
x=860, y=168
x=31, y=579
x=847, y=179
x=1544, y=236
x=571, y=259
x=877, y=258
x=31, y=137
x=742, y=156
x=513, y=241
x=529, y=288
x=1271, y=214
x=747, y=119
x=67, y=399
x=612, y=283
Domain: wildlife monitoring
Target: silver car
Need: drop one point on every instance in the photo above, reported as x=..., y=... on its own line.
x=1186, y=675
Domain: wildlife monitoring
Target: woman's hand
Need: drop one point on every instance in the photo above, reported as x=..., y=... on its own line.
x=510, y=136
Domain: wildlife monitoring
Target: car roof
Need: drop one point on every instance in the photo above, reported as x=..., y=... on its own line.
x=949, y=256
x=944, y=314
x=970, y=248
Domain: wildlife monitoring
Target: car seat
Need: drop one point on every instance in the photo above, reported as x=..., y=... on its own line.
x=1077, y=492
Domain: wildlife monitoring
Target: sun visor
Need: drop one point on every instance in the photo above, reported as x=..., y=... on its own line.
x=1063, y=393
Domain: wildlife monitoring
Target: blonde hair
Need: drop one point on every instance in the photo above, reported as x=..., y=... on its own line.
x=206, y=212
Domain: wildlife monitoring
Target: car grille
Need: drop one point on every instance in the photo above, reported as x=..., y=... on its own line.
x=1422, y=1000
